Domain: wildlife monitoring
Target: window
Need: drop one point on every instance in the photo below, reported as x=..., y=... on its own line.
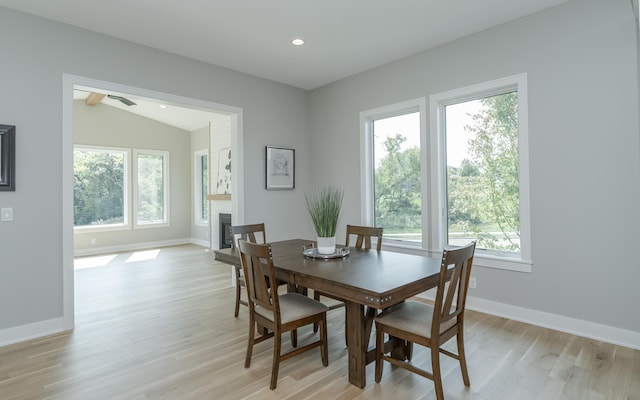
x=469, y=183
x=100, y=182
x=151, y=187
x=106, y=198
x=201, y=187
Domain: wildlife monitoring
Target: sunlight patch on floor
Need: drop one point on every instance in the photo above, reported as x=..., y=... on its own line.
x=143, y=255
x=93, y=262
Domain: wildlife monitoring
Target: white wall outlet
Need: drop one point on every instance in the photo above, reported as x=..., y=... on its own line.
x=6, y=214
x=93, y=241
x=472, y=283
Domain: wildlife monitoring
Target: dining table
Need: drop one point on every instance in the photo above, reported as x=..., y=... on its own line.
x=366, y=280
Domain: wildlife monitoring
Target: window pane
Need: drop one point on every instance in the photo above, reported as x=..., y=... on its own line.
x=396, y=151
x=150, y=202
x=99, y=187
x=204, y=187
x=483, y=201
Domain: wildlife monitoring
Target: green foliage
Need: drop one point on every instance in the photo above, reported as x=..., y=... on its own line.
x=98, y=188
x=150, y=188
x=324, y=207
x=397, y=187
x=484, y=192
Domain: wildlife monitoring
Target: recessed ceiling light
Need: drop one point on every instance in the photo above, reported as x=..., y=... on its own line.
x=297, y=42
x=164, y=106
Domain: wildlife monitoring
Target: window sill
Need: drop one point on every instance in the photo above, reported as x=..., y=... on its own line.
x=479, y=259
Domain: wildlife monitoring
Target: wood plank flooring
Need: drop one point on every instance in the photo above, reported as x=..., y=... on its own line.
x=159, y=325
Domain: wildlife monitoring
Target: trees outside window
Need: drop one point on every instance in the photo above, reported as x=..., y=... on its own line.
x=466, y=179
x=103, y=192
x=100, y=182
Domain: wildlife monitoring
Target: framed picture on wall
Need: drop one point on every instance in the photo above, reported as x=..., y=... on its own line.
x=280, y=168
x=7, y=158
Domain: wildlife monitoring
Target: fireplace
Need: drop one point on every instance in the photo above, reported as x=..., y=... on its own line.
x=225, y=230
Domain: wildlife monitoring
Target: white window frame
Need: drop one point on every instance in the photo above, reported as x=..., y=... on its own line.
x=126, y=224
x=165, y=186
x=438, y=102
x=197, y=186
x=433, y=175
x=367, y=168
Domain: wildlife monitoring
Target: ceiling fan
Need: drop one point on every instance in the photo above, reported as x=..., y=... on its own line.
x=95, y=98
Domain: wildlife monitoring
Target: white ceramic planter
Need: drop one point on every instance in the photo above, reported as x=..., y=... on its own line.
x=326, y=245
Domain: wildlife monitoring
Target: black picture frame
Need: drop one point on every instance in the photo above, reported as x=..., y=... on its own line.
x=280, y=168
x=7, y=158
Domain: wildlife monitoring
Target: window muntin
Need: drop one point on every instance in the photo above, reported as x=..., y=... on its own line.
x=100, y=187
x=201, y=187
x=151, y=187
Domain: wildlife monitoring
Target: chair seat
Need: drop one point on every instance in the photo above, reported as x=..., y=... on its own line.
x=412, y=316
x=294, y=306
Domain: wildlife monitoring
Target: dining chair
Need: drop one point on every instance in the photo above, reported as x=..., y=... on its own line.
x=363, y=236
x=431, y=326
x=277, y=312
x=251, y=233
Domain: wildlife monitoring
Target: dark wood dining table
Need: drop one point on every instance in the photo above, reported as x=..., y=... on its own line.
x=366, y=280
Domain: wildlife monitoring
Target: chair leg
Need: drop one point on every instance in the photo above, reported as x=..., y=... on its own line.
x=461, y=356
x=379, y=350
x=237, y=311
x=252, y=330
x=324, y=349
x=316, y=297
x=435, y=368
x=294, y=338
x=276, y=359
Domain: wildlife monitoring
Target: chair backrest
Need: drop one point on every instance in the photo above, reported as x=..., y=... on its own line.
x=451, y=295
x=251, y=233
x=257, y=264
x=364, y=235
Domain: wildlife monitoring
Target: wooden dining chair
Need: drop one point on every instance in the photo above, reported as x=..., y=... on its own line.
x=431, y=326
x=252, y=233
x=278, y=313
x=363, y=235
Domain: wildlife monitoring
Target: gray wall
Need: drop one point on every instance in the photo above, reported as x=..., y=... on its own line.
x=102, y=125
x=581, y=62
x=36, y=53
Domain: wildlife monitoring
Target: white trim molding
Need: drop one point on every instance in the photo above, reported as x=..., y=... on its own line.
x=31, y=331
x=574, y=326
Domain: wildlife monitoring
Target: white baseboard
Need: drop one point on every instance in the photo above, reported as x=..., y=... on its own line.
x=31, y=331
x=204, y=243
x=131, y=246
x=591, y=330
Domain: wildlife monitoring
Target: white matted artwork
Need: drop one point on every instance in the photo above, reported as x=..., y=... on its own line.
x=223, y=174
x=280, y=168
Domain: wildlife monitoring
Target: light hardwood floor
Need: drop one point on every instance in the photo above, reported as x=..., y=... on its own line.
x=160, y=325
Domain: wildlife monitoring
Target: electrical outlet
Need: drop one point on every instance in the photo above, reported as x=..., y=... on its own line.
x=472, y=283
x=93, y=241
x=7, y=214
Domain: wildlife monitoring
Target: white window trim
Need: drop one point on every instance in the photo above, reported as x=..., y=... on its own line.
x=437, y=176
x=197, y=180
x=367, y=168
x=126, y=198
x=165, y=194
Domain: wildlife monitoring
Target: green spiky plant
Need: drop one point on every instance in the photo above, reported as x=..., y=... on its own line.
x=324, y=207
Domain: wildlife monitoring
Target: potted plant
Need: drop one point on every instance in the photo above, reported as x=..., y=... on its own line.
x=324, y=207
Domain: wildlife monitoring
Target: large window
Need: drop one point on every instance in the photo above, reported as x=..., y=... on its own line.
x=396, y=151
x=467, y=179
x=105, y=197
x=201, y=186
x=100, y=186
x=151, y=187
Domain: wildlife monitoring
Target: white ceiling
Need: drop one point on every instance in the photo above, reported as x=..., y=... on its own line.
x=343, y=37
x=188, y=119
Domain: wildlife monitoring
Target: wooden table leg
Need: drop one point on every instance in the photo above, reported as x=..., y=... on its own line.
x=357, y=343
